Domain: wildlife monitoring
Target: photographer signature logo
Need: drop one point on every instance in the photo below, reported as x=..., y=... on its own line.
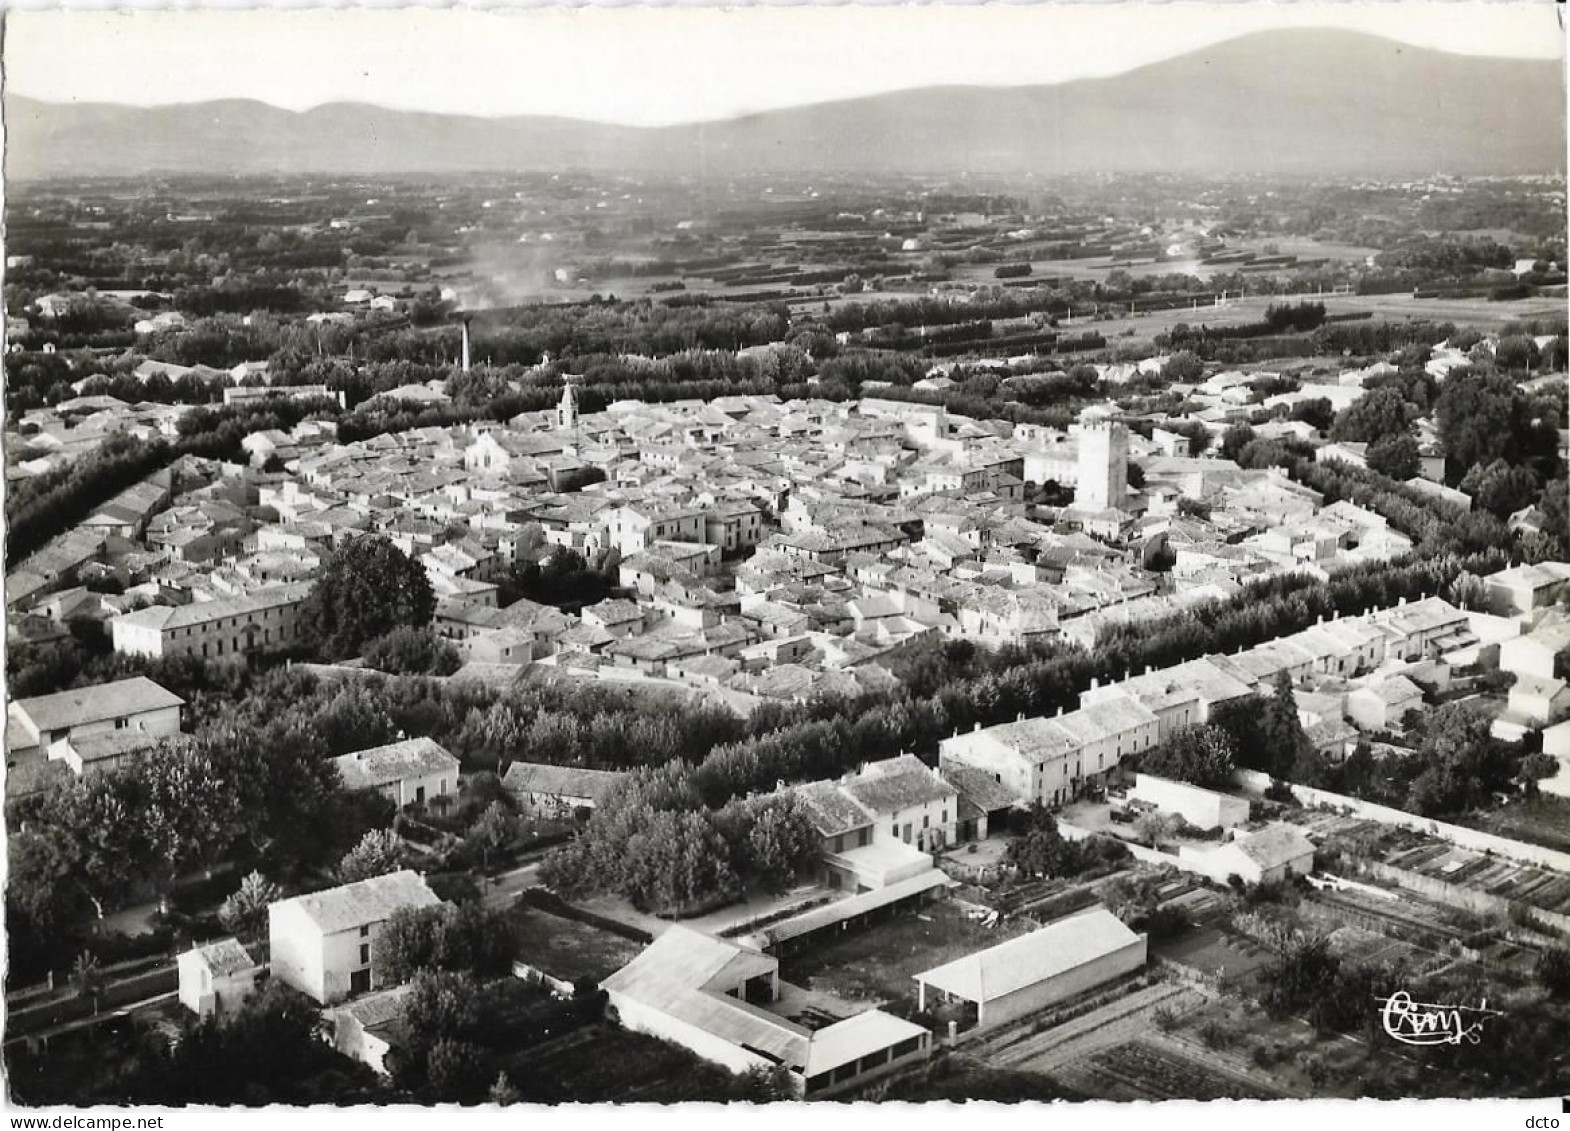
x=1425, y=1023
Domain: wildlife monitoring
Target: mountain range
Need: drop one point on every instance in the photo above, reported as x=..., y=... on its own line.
x=1297, y=102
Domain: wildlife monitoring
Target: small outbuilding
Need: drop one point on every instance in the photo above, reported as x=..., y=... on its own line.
x=217, y=978
x=368, y=1028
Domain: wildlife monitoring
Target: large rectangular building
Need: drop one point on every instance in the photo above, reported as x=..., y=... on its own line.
x=1031, y=972
x=267, y=620
x=1054, y=760
x=713, y=996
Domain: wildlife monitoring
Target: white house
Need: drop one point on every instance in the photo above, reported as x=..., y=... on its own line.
x=135, y=706
x=1556, y=744
x=321, y=943
x=908, y=802
x=1383, y=704
x=1534, y=702
x=218, y=978
x=406, y=773
x=1271, y=854
x=1534, y=653
x=1524, y=588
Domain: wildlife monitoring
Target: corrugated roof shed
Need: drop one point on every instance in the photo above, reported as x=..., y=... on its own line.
x=1019, y=963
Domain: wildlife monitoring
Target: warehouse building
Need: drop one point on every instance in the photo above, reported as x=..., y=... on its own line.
x=1034, y=971
x=713, y=997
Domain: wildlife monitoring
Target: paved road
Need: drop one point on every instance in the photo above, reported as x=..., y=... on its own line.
x=502, y=890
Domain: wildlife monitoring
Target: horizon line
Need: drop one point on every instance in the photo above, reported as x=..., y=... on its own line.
x=809, y=104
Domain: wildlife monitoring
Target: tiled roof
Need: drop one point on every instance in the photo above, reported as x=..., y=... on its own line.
x=362, y=903
x=560, y=781
x=226, y=957
x=397, y=761
x=1279, y=844
x=898, y=784
x=122, y=698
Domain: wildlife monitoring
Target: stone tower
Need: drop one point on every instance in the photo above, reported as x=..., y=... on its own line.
x=1103, y=465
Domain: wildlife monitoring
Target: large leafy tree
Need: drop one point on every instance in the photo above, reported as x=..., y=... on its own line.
x=445, y=1017
x=1397, y=456
x=366, y=589
x=457, y=938
x=1501, y=488
x=496, y=828
x=379, y=852
x=1202, y=755
x=1376, y=414
x=244, y=913
x=1481, y=417
x=1463, y=764
x=407, y=650
x=271, y=1051
x=780, y=844
x=1039, y=849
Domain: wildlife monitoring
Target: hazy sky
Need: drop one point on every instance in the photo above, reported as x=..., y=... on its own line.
x=657, y=66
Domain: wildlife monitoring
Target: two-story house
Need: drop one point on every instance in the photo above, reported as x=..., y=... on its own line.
x=322, y=943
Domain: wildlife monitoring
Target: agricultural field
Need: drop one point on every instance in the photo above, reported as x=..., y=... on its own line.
x=1214, y=953
x=566, y=948
x=1149, y=1069
x=604, y=1063
x=1491, y=875
x=1130, y=1048
x=1542, y=820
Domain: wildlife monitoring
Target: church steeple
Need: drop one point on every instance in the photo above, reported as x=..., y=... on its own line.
x=567, y=410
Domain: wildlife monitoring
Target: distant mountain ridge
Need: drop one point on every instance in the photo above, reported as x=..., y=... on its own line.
x=1300, y=101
